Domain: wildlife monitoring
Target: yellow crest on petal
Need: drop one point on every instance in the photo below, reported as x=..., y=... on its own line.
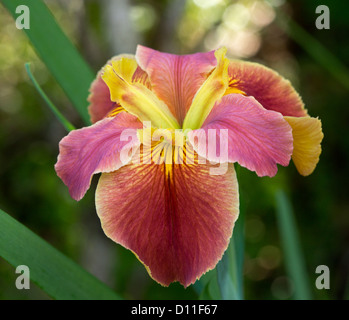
x=211, y=91
x=134, y=97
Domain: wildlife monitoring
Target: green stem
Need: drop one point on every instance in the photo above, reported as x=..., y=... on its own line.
x=67, y=125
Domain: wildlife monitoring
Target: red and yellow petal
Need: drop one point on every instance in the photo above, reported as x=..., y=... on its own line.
x=209, y=93
x=270, y=89
x=99, y=98
x=135, y=97
x=176, y=78
x=94, y=149
x=307, y=137
x=169, y=217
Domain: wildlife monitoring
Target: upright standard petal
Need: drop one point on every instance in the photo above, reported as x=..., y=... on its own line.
x=211, y=91
x=307, y=137
x=94, y=149
x=174, y=78
x=136, y=98
x=257, y=139
x=99, y=97
x=170, y=218
x=270, y=89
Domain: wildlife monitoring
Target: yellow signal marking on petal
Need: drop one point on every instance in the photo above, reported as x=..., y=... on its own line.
x=135, y=98
x=307, y=137
x=233, y=87
x=166, y=147
x=115, y=111
x=211, y=91
x=234, y=90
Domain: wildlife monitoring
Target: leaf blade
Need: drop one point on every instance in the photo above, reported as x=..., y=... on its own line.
x=56, y=274
x=290, y=240
x=57, y=52
x=230, y=276
x=227, y=274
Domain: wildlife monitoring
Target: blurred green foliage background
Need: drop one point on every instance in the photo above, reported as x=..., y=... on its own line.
x=29, y=135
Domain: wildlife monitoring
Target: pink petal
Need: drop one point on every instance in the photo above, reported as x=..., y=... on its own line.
x=99, y=99
x=174, y=78
x=94, y=149
x=257, y=139
x=270, y=89
x=173, y=222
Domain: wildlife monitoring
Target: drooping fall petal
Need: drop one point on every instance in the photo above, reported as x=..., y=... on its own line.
x=307, y=137
x=175, y=79
x=270, y=89
x=257, y=139
x=178, y=220
x=99, y=97
x=94, y=149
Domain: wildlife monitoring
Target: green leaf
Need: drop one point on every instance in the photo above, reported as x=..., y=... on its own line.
x=66, y=124
x=57, y=275
x=211, y=290
x=205, y=295
x=239, y=246
x=227, y=275
x=230, y=268
x=57, y=52
x=294, y=260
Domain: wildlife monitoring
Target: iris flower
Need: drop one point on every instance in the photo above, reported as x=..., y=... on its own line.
x=178, y=217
